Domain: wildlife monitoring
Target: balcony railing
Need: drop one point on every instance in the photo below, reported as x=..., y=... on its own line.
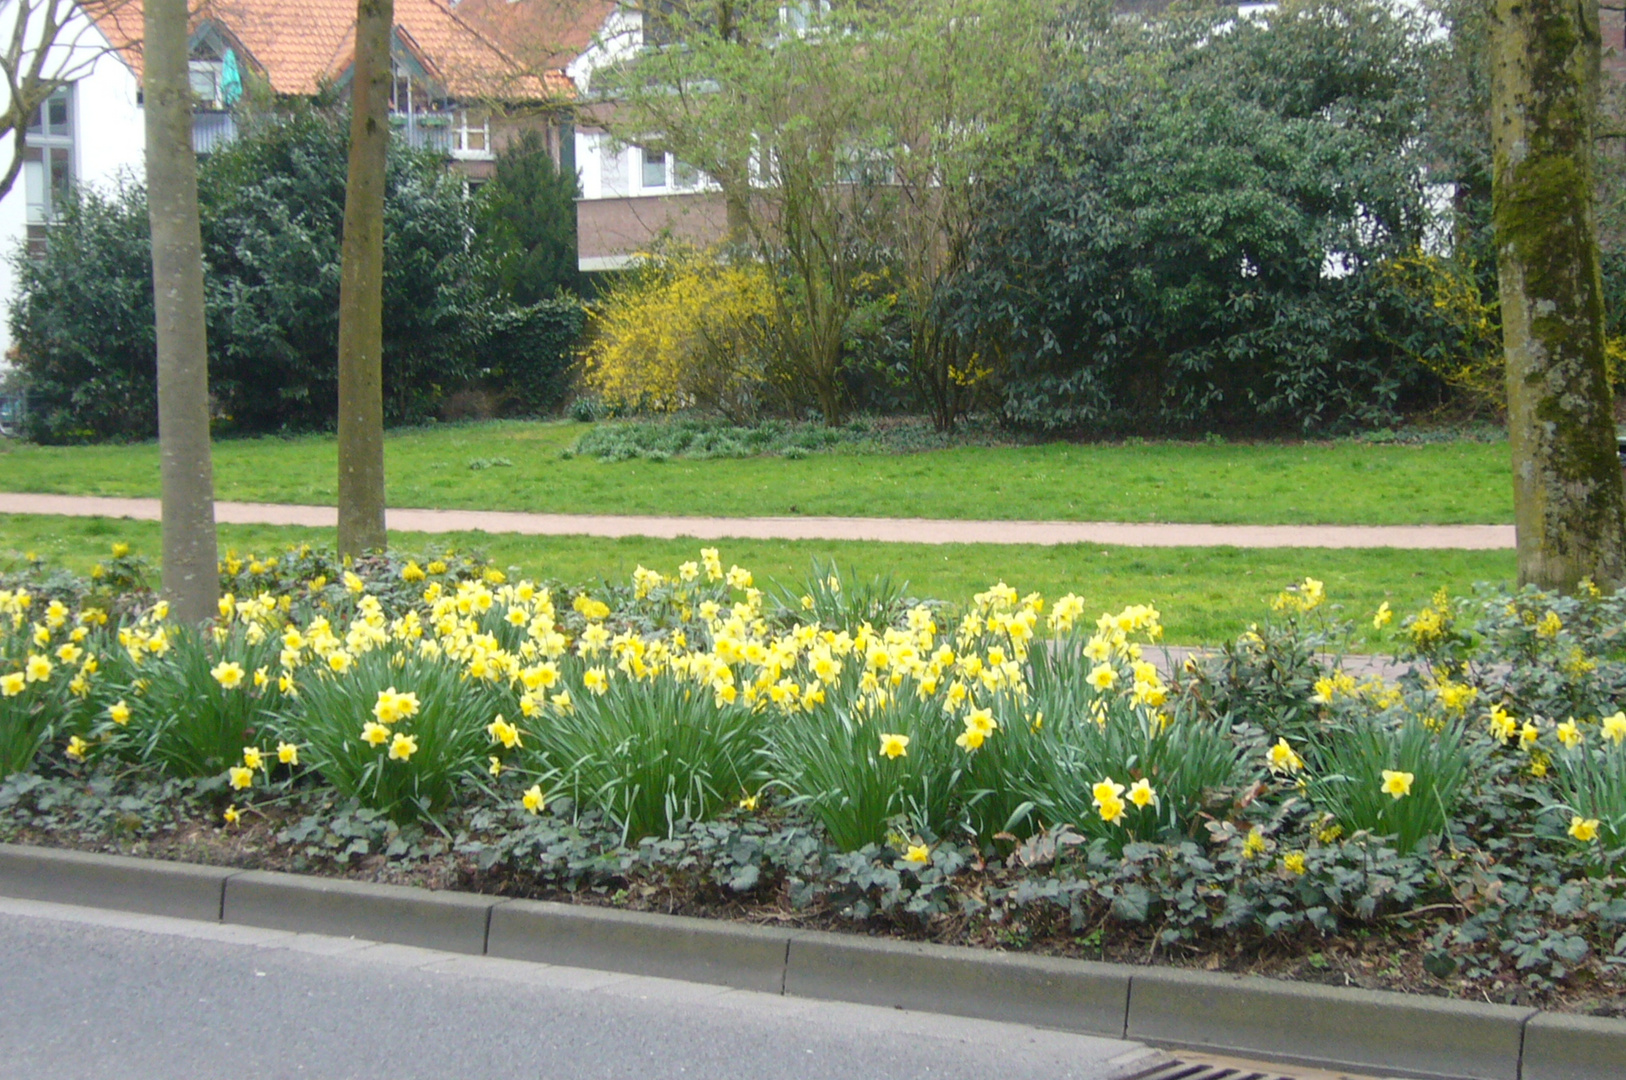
x=211, y=130
x=424, y=130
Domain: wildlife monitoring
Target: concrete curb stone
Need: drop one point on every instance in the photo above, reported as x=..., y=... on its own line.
x=674, y=947
x=147, y=886
x=1328, y=1026
x=399, y=914
x=1069, y=995
x=1558, y=1046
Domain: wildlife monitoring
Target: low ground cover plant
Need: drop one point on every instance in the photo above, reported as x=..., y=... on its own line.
x=1009, y=764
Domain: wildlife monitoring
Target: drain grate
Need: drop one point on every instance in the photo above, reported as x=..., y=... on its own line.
x=1189, y=1070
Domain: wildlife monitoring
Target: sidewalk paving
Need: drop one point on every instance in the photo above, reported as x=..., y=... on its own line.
x=890, y=530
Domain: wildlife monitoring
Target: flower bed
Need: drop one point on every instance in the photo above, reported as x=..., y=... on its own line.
x=1008, y=772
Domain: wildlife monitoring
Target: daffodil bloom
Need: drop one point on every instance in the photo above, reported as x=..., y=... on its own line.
x=1382, y=618
x=1282, y=758
x=77, y=747
x=374, y=734
x=402, y=747
x=1584, y=829
x=1569, y=734
x=119, y=712
x=918, y=853
x=120, y=550
x=340, y=661
x=228, y=673
x=495, y=768
x=1614, y=727
x=231, y=816
x=252, y=758
x=241, y=777
x=532, y=800
x=1102, y=676
x=11, y=685
x=502, y=731
x=1397, y=785
x=1528, y=735
x=1142, y=794
x=970, y=739
x=749, y=803
x=595, y=680
x=894, y=746
x=37, y=668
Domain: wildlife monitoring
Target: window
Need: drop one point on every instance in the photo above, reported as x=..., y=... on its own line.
x=654, y=169
x=48, y=160
x=206, y=77
x=684, y=175
x=472, y=137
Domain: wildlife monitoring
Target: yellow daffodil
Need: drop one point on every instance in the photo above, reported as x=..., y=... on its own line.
x=1102, y=677
x=1584, y=829
x=241, y=777
x=532, y=800
x=1142, y=794
x=402, y=747
x=77, y=747
x=228, y=673
x=1397, y=785
x=894, y=746
x=1569, y=733
x=749, y=803
x=1614, y=727
x=38, y=668
x=119, y=712
x=918, y=853
x=252, y=758
x=13, y=684
x=288, y=753
x=231, y=816
x=1382, y=618
x=374, y=734
x=503, y=732
x=1282, y=758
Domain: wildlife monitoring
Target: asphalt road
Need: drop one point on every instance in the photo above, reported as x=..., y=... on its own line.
x=110, y=996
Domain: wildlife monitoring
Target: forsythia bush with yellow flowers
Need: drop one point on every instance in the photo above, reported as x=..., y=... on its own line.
x=1265, y=784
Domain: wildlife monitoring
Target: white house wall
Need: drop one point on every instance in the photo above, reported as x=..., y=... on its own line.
x=109, y=139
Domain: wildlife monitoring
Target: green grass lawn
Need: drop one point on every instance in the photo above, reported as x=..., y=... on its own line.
x=1205, y=594
x=1268, y=483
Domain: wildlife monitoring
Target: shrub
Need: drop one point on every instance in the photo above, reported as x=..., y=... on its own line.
x=525, y=218
x=529, y=353
x=685, y=328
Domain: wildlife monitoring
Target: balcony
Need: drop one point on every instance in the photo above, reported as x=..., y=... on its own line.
x=424, y=130
x=211, y=130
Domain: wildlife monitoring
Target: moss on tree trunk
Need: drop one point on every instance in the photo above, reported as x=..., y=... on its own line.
x=1567, y=480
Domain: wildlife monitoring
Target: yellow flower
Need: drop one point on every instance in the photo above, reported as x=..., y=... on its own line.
x=261, y=677
x=1614, y=727
x=69, y=653
x=288, y=753
x=354, y=583
x=1569, y=734
x=436, y=567
x=595, y=680
x=1382, y=618
x=241, y=777
x=412, y=572
x=1397, y=785
x=119, y=712
x=1584, y=829
x=231, y=815
x=1293, y=861
x=120, y=550
x=374, y=734
x=1528, y=735
x=252, y=758
x=495, y=768
x=1282, y=758
x=1141, y=793
x=894, y=746
x=77, y=748
x=228, y=673
x=749, y=803
x=37, y=668
x=1550, y=625
x=970, y=739
x=12, y=685
x=402, y=747
x=391, y=706
x=504, y=732
x=532, y=800
x=739, y=577
x=918, y=853
x=1102, y=676
x=1253, y=845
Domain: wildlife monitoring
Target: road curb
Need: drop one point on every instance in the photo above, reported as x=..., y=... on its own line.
x=1301, y=1023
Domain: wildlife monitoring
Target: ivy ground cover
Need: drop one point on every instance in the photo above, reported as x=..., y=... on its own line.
x=1014, y=769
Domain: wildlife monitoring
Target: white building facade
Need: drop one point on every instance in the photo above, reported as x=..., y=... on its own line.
x=91, y=133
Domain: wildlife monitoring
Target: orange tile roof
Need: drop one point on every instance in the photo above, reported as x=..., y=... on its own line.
x=540, y=33
x=300, y=45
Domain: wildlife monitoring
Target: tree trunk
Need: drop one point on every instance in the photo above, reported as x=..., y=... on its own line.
x=361, y=289
x=191, y=576
x=1566, y=476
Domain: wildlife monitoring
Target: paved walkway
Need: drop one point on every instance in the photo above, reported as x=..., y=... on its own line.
x=895, y=530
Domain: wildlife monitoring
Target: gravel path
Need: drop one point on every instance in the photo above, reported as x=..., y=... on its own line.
x=897, y=530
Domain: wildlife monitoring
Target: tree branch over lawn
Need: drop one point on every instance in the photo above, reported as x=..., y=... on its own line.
x=47, y=45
